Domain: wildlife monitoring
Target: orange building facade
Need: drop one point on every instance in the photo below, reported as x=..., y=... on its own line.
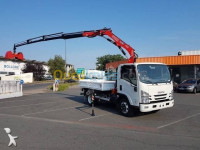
x=181, y=67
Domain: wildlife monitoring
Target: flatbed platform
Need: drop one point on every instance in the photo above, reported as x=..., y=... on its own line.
x=97, y=84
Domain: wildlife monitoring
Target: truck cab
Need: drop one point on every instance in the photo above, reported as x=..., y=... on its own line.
x=146, y=86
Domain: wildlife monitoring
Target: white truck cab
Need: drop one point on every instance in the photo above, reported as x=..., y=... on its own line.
x=147, y=86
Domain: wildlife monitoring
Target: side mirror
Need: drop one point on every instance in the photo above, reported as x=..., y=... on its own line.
x=135, y=87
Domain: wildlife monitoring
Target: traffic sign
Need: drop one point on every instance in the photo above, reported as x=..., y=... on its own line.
x=21, y=81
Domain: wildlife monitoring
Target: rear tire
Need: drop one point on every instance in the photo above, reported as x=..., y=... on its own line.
x=88, y=99
x=125, y=108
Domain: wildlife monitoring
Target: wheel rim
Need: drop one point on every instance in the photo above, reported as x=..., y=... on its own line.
x=124, y=107
x=89, y=99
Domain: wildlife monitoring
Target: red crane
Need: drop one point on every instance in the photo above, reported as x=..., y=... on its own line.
x=93, y=33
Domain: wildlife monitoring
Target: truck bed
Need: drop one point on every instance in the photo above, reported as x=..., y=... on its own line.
x=97, y=84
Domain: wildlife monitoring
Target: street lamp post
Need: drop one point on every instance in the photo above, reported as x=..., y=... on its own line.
x=65, y=60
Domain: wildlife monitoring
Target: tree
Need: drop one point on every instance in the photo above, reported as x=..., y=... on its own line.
x=36, y=68
x=103, y=60
x=58, y=63
x=72, y=71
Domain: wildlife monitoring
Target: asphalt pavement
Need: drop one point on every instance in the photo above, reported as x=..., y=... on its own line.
x=35, y=88
x=62, y=120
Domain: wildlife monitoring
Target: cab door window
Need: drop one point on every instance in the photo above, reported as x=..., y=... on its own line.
x=128, y=73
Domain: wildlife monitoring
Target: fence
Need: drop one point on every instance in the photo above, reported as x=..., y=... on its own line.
x=10, y=89
x=27, y=77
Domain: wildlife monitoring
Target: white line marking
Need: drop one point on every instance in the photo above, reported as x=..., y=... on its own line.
x=45, y=111
x=190, y=105
x=178, y=121
x=45, y=119
x=27, y=105
x=17, y=101
x=92, y=117
x=23, y=100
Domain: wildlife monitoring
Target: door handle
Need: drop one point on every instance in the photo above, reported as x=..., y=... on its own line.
x=120, y=87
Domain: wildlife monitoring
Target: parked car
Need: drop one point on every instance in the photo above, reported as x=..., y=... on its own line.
x=189, y=85
x=48, y=78
x=69, y=81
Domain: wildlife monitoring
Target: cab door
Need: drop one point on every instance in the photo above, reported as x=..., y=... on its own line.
x=127, y=83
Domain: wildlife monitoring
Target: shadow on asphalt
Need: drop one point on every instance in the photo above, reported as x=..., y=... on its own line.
x=106, y=106
x=103, y=105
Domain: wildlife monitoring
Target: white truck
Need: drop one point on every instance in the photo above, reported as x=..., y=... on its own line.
x=139, y=86
x=145, y=86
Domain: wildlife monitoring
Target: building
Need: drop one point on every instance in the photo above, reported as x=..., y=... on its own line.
x=15, y=67
x=184, y=66
x=68, y=68
x=80, y=71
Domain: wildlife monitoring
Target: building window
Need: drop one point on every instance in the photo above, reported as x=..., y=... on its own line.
x=198, y=72
x=3, y=72
x=11, y=73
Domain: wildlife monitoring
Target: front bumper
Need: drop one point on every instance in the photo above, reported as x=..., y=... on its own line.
x=185, y=89
x=156, y=106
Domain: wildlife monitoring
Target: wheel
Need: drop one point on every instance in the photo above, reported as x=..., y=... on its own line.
x=125, y=107
x=195, y=90
x=88, y=99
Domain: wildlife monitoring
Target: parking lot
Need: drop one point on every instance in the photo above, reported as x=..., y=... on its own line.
x=62, y=121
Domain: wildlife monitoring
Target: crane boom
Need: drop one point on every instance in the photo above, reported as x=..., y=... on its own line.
x=92, y=33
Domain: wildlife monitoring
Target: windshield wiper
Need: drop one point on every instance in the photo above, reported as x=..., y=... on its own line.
x=163, y=81
x=149, y=82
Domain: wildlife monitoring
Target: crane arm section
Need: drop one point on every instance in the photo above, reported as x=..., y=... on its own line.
x=93, y=33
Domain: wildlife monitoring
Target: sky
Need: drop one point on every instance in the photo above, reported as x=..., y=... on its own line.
x=151, y=27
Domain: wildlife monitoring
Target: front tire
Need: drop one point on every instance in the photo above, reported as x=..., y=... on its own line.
x=125, y=108
x=195, y=90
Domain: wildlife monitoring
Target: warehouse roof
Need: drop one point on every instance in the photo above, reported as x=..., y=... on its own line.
x=168, y=60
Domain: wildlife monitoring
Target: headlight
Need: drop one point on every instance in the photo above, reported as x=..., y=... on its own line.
x=189, y=87
x=171, y=95
x=144, y=97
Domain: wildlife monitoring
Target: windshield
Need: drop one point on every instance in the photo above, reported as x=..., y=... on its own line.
x=190, y=81
x=153, y=73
